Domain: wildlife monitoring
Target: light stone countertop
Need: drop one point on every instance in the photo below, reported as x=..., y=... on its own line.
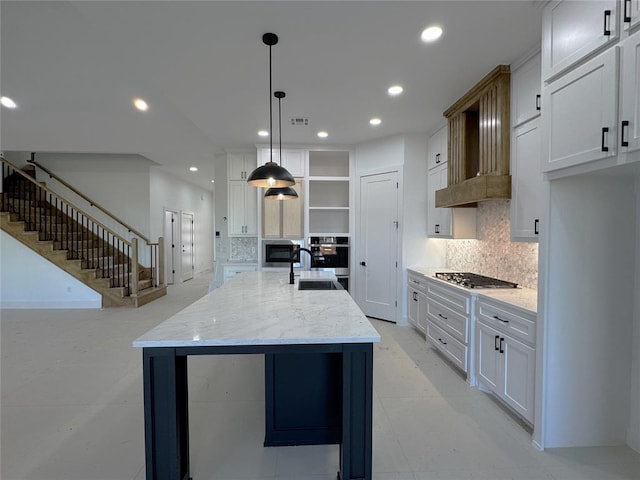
x=522, y=298
x=261, y=308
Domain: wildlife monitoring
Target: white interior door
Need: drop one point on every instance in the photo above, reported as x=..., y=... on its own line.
x=171, y=250
x=187, y=246
x=377, y=261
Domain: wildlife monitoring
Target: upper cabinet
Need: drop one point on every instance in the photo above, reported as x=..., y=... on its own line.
x=292, y=159
x=630, y=14
x=437, y=150
x=284, y=218
x=478, y=154
x=525, y=91
x=590, y=104
x=572, y=30
x=240, y=165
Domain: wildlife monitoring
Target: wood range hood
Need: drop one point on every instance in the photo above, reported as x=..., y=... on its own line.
x=478, y=145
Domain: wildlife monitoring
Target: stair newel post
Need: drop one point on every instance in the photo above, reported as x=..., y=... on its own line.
x=134, y=266
x=160, y=261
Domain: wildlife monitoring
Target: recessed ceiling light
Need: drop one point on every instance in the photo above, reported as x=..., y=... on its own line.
x=263, y=133
x=213, y=181
x=140, y=104
x=395, y=90
x=193, y=169
x=375, y=121
x=323, y=134
x=431, y=34
x=8, y=102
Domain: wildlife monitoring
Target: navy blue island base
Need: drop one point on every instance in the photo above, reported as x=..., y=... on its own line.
x=314, y=394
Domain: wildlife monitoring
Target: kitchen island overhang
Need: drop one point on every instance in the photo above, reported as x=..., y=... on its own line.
x=318, y=349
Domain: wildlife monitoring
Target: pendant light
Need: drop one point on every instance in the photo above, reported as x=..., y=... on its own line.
x=270, y=174
x=282, y=193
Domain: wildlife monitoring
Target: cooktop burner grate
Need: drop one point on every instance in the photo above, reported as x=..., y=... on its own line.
x=472, y=280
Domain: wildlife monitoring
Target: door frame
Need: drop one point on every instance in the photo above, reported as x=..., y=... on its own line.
x=355, y=243
x=193, y=247
x=168, y=250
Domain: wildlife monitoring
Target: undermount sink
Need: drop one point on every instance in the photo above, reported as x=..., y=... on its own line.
x=319, y=285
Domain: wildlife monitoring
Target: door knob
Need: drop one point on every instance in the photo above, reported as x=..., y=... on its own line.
x=364, y=264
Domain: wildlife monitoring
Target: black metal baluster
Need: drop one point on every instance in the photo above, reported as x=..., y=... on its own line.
x=113, y=246
x=129, y=269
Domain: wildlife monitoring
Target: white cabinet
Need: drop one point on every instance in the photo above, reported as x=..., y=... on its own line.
x=437, y=148
x=580, y=114
x=447, y=222
x=630, y=14
x=243, y=209
x=417, y=301
x=230, y=271
x=505, y=355
x=630, y=99
x=525, y=91
x=527, y=185
x=573, y=30
x=292, y=159
x=240, y=165
x=448, y=317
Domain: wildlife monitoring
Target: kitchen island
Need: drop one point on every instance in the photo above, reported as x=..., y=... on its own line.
x=318, y=348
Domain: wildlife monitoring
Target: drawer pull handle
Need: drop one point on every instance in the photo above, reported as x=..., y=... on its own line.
x=538, y=102
x=536, y=222
x=501, y=345
x=605, y=131
x=495, y=343
x=623, y=128
x=442, y=316
x=500, y=320
x=627, y=13
x=437, y=158
x=441, y=341
x=607, y=19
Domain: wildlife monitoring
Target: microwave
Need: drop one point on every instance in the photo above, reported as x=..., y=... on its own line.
x=277, y=253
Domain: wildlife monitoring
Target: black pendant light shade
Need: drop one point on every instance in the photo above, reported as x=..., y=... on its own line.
x=283, y=193
x=270, y=174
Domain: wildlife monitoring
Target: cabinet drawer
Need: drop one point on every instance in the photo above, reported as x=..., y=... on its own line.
x=449, y=346
x=417, y=283
x=453, y=322
x=515, y=324
x=455, y=301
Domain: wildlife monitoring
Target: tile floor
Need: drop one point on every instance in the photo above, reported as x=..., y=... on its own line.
x=72, y=410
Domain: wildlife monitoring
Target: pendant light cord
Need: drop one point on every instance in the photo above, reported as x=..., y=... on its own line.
x=270, y=112
x=280, y=126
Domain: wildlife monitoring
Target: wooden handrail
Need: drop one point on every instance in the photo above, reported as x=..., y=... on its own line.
x=87, y=199
x=39, y=185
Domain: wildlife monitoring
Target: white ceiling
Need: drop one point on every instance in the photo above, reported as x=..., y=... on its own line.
x=74, y=68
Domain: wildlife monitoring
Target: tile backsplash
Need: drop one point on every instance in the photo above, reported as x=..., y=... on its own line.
x=243, y=249
x=493, y=253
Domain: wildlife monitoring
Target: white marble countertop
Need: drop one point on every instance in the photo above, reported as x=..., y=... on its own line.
x=523, y=298
x=261, y=308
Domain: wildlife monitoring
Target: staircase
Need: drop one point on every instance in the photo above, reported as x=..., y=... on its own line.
x=79, y=244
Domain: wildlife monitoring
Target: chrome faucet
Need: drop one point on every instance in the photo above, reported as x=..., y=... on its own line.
x=292, y=259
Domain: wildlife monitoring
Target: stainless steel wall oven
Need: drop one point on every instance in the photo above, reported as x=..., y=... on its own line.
x=332, y=254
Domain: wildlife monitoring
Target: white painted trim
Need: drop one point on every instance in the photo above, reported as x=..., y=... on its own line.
x=30, y=304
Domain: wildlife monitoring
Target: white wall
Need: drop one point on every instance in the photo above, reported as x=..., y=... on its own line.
x=119, y=183
x=633, y=436
x=28, y=280
x=408, y=155
x=166, y=191
x=589, y=311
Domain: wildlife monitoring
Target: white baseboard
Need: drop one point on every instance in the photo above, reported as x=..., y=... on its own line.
x=633, y=439
x=30, y=304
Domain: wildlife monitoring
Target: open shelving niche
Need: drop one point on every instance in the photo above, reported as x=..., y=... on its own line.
x=329, y=193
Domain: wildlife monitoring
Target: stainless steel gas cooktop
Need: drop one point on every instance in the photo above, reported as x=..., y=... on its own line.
x=472, y=280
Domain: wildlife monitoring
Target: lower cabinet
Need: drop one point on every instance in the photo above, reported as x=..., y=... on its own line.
x=504, y=365
x=449, y=324
x=417, y=302
x=230, y=271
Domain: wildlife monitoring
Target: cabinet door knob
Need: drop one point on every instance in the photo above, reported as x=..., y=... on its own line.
x=607, y=20
x=605, y=130
x=364, y=264
x=623, y=129
x=627, y=13
x=538, y=102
